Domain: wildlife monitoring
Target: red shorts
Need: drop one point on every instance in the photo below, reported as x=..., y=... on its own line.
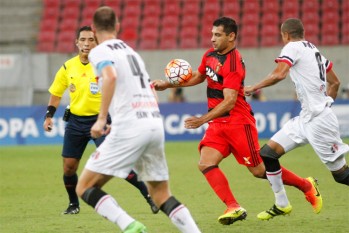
x=240, y=140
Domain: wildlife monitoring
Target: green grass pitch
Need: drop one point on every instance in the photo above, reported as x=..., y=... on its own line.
x=32, y=195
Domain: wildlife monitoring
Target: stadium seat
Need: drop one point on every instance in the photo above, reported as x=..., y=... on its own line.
x=68, y=24
x=208, y=18
x=270, y=18
x=47, y=36
x=65, y=47
x=149, y=33
x=115, y=4
x=330, y=28
x=250, y=18
x=248, y=35
x=290, y=9
x=188, y=43
x=170, y=21
x=150, y=21
x=168, y=43
x=310, y=17
x=191, y=7
x=129, y=34
x=248, y=42
x=250, y=6
x=92, y=3
x=151, y=9
x=51, y=13
x=148, y=44
x=49, y=24
x=70, y=12
x=330, y=16
x=130, y=22
x=71, y=3
x=270, y=6
x=270, y=35
x=190, y=20
x=46, y=46
x=131, y=8
x=85, y=22
x=171, y=7
x=51, y=3
x=68, y=36
x=311, y=30
x=88, y=12
x=231, y=8
x=330, y=5
x=313, y=39
x=329, y=39
x=211, y=7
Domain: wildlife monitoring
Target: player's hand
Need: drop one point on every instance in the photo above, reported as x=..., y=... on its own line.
x=98, y=128
x=48, y=123
x=248, y=90
x=193, y=122
x=107, y=129
x=160, y=85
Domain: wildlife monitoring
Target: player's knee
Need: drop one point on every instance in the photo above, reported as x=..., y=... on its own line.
x=267, y=152
x=342, y=177
x=91, y=195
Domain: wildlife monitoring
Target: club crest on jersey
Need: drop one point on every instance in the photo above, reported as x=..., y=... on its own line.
x=72, y=88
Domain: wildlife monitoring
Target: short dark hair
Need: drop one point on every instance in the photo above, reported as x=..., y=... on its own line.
x=229, y=25
x=294, y=27
x=105, y=19
x=83, y=28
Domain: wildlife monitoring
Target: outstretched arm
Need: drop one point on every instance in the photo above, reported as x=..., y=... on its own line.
x=278, y=74
x=197, y=78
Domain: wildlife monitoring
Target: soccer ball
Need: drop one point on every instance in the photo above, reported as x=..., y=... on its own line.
x=178, y=71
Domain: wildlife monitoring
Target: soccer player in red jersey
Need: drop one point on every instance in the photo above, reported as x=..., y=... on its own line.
x=232, y=128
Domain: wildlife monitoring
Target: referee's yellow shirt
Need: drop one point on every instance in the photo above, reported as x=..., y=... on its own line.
x=80, y=80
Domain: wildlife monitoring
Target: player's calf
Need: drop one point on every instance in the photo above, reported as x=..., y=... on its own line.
x=342, y=177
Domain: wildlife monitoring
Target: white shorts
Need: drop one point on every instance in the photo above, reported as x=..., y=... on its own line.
x=123, y=150
x=322, y=133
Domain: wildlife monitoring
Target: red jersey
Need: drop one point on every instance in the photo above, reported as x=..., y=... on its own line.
x=226, y=71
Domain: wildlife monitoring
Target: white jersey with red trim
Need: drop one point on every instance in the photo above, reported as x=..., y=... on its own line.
x=308, y=73
x=134, y=103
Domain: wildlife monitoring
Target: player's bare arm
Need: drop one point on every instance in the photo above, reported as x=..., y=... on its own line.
x=278, y=74
x=222, y=108
x=109, y=82
x=332, y=84
x=54, y=101
x=197, y=78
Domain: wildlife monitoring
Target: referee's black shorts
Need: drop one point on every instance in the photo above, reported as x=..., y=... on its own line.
x=77, y=135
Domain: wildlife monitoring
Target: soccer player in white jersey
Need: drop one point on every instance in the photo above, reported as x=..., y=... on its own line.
x=136, y=139
x=316, y=86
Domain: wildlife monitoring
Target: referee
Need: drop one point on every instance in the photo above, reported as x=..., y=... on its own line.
x=78, y=77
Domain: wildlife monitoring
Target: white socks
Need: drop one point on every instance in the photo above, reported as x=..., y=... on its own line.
x=183, y=220
x=108, y=207
x=275, y=179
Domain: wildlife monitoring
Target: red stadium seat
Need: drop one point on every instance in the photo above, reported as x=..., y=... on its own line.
x=311, y=30
x=46, y=46
x=71, y=12
x=210, y=7
x=310, y=5
x=85, y=22
x=270, y=6
x=250, y=6
x=87, y=13
x=313, y=39
x=208, y=18
x=68, y=36
x=130, y=22
x=188, y=43
x=51, y=13
x=330, y=5
x=129, y=34
x=290, y=9
x=250, y=18
x=191, y=7
x=68, y=24
x=132, y=8
x=115, y=4
x=71, y=3
x=92, y=3
x=150, y=21
x=49, y=24
x=65, y=47
x=149, y=33
x=51, y=4
x=270, y=35
x=248, y=42
x=170, y=21
x=310, y=17
x=248, y=35
x=231, y=8
x=151, y=10
x=331, y=17
x=47, y=36
x=171, y=7
x=148, y=44
x=329, y=39
x=168, y=43
x=270, y=18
